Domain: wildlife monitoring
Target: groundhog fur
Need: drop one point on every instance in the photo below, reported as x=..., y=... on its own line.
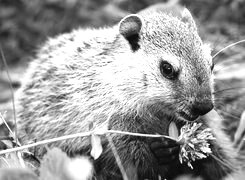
x=116, y=77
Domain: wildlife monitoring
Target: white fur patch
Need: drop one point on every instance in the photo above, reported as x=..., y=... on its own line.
x=80, y=168
x=207, y=52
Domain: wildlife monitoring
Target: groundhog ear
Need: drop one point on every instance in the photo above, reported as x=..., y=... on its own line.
x=130, y=27
x=187, y=18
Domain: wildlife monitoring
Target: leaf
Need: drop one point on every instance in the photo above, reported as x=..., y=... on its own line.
x=74, y=166
x=96, y=146
x=173, y=130
x=56, y=165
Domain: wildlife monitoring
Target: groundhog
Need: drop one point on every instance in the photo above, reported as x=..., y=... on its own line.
x=140, y=75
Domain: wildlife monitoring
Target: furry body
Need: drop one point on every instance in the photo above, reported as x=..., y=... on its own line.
x=102, y=77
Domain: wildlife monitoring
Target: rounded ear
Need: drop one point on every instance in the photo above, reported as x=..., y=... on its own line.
x=187, y=18
x=130, y=25
x=129, y=28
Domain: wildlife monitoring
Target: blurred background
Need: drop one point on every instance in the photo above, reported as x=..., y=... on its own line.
x=26, y=24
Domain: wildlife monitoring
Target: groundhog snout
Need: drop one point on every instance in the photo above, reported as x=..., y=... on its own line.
x=202, y=107
x=203, y=103
x=199, y=108
x=195, y=107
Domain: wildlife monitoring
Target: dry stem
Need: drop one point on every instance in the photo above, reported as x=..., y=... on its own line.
x=83, y=134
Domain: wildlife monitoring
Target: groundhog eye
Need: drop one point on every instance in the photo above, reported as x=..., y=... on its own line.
x=167, y=70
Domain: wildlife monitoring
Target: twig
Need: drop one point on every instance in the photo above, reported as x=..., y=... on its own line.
x=11, y=132
x=83, y=134
x=6, y=124
x=118, y=160
x=12, y=91
x=140, y=134
x=46, y=142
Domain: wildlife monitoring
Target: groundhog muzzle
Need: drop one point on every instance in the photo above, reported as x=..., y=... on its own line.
x=137, y=76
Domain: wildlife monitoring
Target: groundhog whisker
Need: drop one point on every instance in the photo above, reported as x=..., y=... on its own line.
x=219, y=68
x=233, y=44
x=228, y=89
x=229, y=114
x=222, y=81
x=219, y=103
x=227, y=96
x=223, y=162
x=223, y=100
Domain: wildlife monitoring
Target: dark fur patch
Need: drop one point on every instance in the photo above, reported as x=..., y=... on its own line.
x=60, y=45
x=79, y=49
x=104, y=53
x=199, y=80
x=71, y=67
x=134, y=42
x=49, y=74
x=71, y=38
x=87, y=45
x=145, y=80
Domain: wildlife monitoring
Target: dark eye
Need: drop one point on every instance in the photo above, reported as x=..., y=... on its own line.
x=167, y=70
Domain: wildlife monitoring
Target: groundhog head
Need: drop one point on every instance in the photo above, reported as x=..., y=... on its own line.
x=174, y=67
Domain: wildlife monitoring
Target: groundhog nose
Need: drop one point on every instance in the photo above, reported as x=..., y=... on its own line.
x=202, y=108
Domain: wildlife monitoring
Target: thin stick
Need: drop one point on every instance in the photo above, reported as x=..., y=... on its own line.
x=233, y=44
x=11, y=132
x=12, y=91
x=118, y=160
x=6, y=124
x=140, y=134
x=46, y=142
x=83, y=134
